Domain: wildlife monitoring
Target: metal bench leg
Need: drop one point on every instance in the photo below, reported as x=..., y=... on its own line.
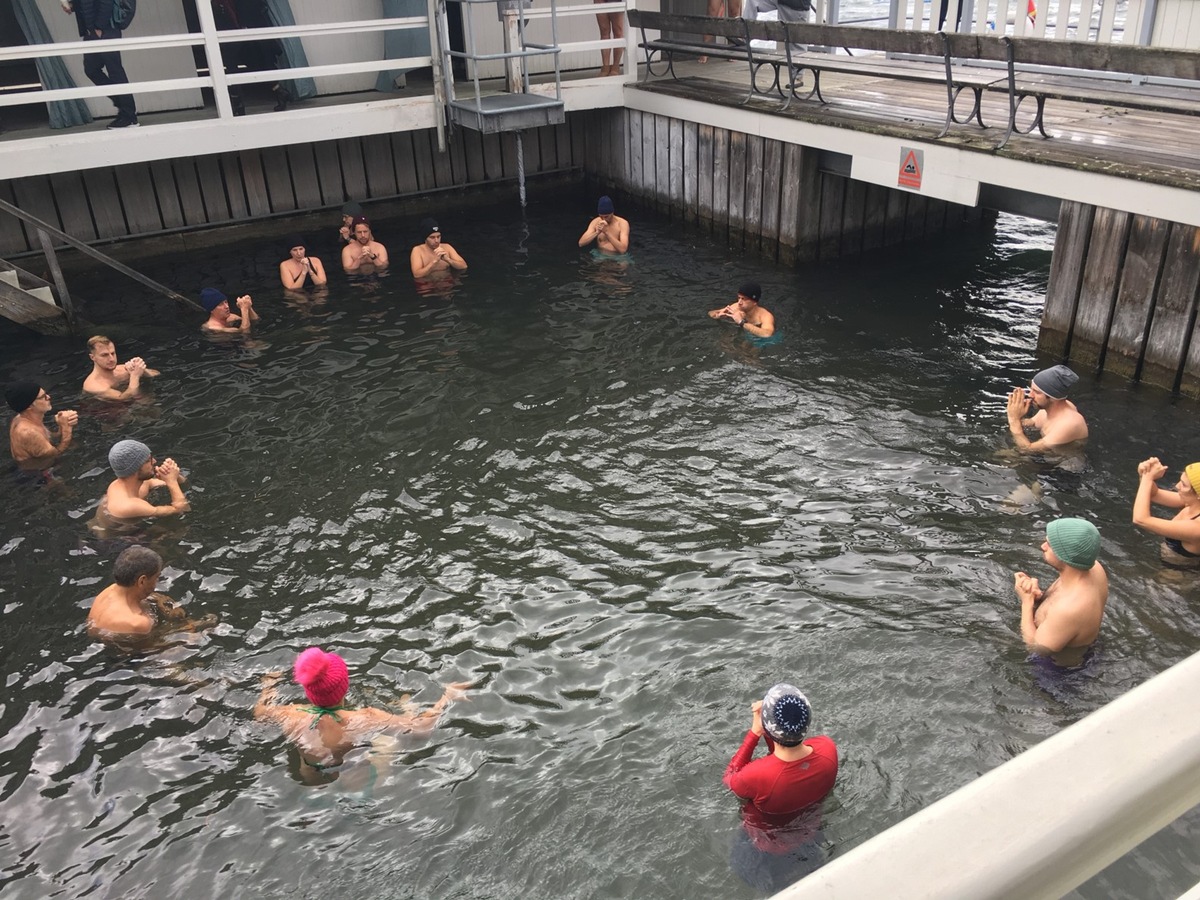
x=1041, y=120
x=787, y=51
x=817, y=86
x=749, y=60
x=1013, y=102
x=949, y=85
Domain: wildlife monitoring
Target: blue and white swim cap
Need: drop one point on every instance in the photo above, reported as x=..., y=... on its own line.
x=786, y=714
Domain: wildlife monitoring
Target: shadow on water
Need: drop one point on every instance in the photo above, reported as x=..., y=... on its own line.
x=561, y=478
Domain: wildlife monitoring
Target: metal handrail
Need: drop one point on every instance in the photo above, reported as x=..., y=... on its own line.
x=45, y=230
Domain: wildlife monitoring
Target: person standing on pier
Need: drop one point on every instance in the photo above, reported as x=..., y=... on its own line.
x=300, y=268
x=745, y=312
x=108, y=375
x=95, y=20
x=1062, y=429
x=431, y=256
x=363, y=254
x=28, y=437
x=220, y=319
x=138, y=474
x=1067, y=615
x=608, y=230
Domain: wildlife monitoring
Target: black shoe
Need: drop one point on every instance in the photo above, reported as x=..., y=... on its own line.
x=122, y=121
x=282, y=97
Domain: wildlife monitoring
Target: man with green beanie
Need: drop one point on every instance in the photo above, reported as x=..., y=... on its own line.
x=1067, y=614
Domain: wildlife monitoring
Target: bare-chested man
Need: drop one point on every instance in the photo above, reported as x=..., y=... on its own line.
x=746, y=313
x=111, y=380
x=325, y=731
x=608, y=230
x=432, y=257
x=220, y=319
x=28, y=437
x=363, y=254
x=137, y=473
x=132, y=607
x=1062, y=429
x=300, y=269
x=1067, y=615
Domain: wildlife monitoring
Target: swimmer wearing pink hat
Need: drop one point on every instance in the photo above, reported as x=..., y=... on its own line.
x=326, y=729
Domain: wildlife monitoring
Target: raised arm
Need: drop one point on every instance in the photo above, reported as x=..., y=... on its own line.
x=451, y=256
x=734, y=779
x=592, y=232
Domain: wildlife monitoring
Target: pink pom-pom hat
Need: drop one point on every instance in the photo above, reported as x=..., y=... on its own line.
x=323, y=675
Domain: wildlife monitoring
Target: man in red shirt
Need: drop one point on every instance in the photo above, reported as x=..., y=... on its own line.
x=796, y=772
x=780, y=817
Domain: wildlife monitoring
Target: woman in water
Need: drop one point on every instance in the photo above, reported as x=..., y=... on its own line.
x=327, y=730
x=1181, y=533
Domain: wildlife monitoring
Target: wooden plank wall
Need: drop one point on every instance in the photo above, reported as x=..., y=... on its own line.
x=1123, y=297
x=761, y=195
x=203, y=191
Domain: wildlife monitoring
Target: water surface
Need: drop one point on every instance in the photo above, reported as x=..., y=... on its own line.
x=623, y=519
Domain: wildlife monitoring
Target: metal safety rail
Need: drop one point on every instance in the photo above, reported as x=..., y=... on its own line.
x=1046, y=821
x=517, y=108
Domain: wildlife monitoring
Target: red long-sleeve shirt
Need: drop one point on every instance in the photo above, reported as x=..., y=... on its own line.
x=778, y=787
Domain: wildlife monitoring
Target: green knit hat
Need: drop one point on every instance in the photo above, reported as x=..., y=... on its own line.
x=1075, y=541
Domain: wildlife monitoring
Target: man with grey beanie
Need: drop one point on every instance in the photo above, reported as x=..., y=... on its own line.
x=137, y=474
x=1061, y=428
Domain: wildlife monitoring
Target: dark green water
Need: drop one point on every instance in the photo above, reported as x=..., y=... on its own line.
x=623, y=519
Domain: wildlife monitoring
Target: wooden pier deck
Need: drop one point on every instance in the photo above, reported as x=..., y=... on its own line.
x=1157, y=148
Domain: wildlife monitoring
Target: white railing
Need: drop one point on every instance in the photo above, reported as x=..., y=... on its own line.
x=1046, y=821
x=1098, y=21
x=212, y=40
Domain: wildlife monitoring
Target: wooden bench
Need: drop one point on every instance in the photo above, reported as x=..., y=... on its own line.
x=956, y=79
x=1062, y=66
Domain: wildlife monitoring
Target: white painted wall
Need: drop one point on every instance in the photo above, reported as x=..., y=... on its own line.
x=1177, y=24
x=153, y=17
x=340, y=48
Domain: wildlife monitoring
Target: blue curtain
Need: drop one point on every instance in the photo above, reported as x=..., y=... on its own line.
x=280, y=13
x=402, y=44
x=51, y=71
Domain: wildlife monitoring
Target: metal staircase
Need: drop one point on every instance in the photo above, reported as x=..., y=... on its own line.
x=29, y=301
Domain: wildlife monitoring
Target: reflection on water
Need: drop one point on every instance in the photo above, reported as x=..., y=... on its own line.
x=563, y=481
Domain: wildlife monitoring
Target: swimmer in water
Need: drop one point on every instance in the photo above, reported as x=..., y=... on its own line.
x=299, y=268
x=1181, y=532
x=28, y=437
x=132, y=608
x=138, y=473
x=608, y=230
x=746, y=313
x=797, y=771
x=220, y=319
x=431, y=256
x=325, y=731
x=363, y=254
x=111, y=380
x=1061, y=428
x=1067, y=615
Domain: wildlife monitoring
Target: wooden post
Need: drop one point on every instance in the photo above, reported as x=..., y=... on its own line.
x=60, y=283
x=1136, y=295
x=1066, y=276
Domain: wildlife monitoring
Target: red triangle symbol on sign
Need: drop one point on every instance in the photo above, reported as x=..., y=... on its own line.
x=910, y=171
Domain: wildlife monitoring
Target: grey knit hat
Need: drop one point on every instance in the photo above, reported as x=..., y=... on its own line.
x=1055, y=382
x=1075, y=541
x=126, y=457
